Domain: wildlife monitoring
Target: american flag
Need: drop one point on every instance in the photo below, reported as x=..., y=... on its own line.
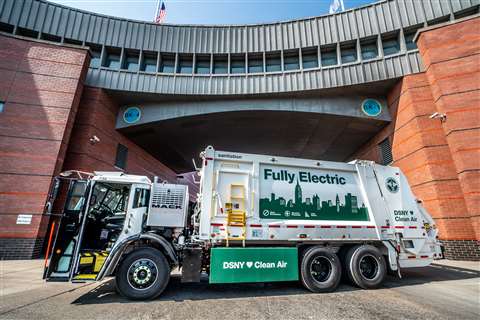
x=336, y=6
x=161, y=14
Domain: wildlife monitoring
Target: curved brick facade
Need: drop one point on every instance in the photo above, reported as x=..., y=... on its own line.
x=442, y=159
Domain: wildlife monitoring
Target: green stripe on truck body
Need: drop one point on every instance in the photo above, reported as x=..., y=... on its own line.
x=258, y=264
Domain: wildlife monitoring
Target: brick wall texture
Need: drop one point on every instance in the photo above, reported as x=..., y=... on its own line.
x=461, y=249
x=97, y=117
x=41, y=86
x=45, y=127
x=441, y=159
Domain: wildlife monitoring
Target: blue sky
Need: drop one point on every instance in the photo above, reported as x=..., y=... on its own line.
x=212, y=11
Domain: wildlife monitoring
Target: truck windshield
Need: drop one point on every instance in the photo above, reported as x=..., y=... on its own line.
x=106, y=197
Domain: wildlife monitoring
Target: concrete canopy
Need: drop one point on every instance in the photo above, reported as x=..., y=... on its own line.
x=328, y=128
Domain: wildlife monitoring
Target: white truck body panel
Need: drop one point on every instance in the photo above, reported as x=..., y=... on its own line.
x=289, y=199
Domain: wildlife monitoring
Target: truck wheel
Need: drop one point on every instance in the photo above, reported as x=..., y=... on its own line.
x=320, y=270
x=365, y=266
x=143, y=274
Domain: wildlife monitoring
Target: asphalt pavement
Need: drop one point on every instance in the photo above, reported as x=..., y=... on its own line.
x=445, y=290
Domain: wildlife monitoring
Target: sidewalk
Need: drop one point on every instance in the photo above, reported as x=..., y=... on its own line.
x=20, y=275
x=21, y=283
x=469, y=265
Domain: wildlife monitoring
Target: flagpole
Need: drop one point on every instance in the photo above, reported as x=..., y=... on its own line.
x=156, y=11
x=343, y=7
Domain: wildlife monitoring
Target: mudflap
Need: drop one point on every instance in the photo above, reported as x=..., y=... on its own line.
x=192, y=264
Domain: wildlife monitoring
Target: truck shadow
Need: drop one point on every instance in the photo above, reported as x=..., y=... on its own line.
x=177, y=291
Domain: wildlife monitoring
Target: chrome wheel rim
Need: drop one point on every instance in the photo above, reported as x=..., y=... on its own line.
x=142, y=274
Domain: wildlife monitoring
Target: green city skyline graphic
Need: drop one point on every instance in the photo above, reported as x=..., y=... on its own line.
x=313, y=208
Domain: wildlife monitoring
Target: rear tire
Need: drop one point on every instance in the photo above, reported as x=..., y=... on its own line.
x=143, y=274
x=365, y=266
x=320, y=270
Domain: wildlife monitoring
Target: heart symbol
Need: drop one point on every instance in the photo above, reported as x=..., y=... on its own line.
x=249, y=264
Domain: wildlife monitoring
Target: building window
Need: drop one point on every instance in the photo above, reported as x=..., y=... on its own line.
x=149, y=63
x=467, y=12
x=121, y=157
x=385, y=150
x=328, y=56
x=167, y=63
x=369, y=49
x=131, y=61
x=310, y=58
x=438, y=20
x=220, y=64
x=291, y=60
x=112, y=60
x=72, y=41
x=348, y=52
x=27, y=33
x=390, y=44
x=273, y=62
x=96, y=53
x=237, y=63
x=409, y=35
x=2, y=106
x=255, y=63
x=185, y=64
x=202, y=64
x=50, y=37
x=5, y=27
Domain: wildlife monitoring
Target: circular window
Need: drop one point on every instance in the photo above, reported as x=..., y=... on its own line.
x=132, y=114
x=371, y=107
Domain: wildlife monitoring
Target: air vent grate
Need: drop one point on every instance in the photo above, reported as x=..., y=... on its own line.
x=386, y=156
x=168, y=198
x=169, y=205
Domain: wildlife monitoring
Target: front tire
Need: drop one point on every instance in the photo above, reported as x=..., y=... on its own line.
x=365, y=266
x=320, y=270
x=143, y=274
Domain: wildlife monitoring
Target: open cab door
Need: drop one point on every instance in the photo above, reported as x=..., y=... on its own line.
x=92, y=222
x=61, y=263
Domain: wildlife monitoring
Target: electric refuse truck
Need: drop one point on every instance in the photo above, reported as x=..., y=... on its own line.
x=255, y=218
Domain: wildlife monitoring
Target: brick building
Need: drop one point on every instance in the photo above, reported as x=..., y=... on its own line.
x=296, y=88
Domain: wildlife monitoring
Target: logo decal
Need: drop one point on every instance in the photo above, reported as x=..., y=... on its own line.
x=392, y=185
x=310, y=194
x=371, y=107
x=132, y=115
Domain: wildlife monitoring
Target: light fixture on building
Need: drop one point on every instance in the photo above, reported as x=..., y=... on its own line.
x=441, y=116
x=94, y=140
